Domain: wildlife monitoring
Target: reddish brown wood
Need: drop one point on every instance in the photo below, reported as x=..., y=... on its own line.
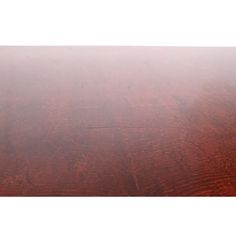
x=117, y=121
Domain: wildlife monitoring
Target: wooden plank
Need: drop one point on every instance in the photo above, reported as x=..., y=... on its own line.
x=117, y=121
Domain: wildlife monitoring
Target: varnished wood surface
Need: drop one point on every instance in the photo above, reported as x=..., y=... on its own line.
x=117, y=121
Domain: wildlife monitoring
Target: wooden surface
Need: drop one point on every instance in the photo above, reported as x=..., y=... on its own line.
x=117, y=121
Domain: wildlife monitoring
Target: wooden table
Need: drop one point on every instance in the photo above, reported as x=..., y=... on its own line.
x=117, y=121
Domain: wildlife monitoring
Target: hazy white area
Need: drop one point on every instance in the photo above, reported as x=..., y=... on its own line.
x=123, y=22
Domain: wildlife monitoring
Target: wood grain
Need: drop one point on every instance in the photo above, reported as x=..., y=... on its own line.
x=117, y=121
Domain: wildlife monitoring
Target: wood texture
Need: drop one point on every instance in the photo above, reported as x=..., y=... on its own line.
x=117, y=121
